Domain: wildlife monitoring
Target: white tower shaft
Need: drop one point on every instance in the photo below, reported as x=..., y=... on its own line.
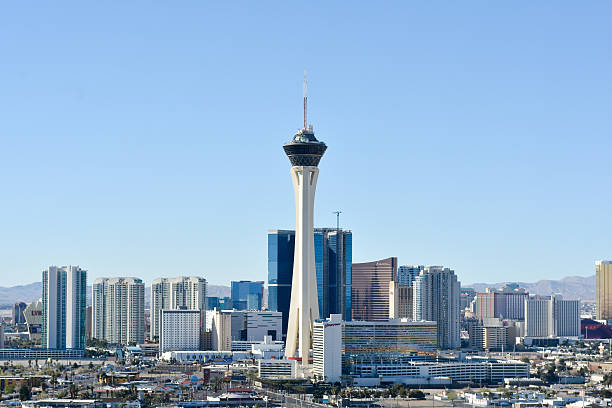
x=304, y=307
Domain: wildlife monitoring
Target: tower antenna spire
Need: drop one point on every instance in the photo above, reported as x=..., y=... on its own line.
x=337, y=219
x=305, y=98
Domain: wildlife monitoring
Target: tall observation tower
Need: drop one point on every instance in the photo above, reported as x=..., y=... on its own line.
x=304, y=152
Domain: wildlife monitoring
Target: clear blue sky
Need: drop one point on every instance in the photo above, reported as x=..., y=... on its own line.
x=145, y=138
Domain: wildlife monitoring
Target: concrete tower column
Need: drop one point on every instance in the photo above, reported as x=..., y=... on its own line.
x=304, y=152
x=304, y=307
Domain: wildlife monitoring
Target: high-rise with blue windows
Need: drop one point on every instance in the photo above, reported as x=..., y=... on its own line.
x=333, y=264
x=281, y=246
x=247, y=295
x=64, y=300
x=406, y=274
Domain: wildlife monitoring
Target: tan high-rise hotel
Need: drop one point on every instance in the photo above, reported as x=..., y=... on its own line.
x=604, y=289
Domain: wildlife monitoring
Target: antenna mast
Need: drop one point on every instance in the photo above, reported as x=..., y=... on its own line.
x=337, y=219
x=305, y=98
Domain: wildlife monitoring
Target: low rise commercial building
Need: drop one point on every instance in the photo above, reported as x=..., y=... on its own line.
x=277, y=369
x=398, y=351
x=340, y=347
x=215, y=357
x=268, y=349
x=40, y=354
x=415, y=372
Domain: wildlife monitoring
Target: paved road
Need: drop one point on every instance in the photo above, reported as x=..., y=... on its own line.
x=427, y=403
x=291, y=401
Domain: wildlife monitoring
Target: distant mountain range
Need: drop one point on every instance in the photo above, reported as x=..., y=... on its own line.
x=33, y=291
x=572, y=287
x=23, y=293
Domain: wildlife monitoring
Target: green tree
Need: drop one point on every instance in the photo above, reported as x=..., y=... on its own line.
x=417, y=394
x=605, y=393
x=25, y=393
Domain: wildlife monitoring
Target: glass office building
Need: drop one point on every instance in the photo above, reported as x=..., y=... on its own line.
x=221, y=303
x=281, y=246
x=247, y=295
x=406, y=274
x=333, y=263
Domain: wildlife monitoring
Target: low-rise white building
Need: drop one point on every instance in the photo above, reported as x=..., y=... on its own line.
x=268, y=349
x=219, y=357
x=277, y=369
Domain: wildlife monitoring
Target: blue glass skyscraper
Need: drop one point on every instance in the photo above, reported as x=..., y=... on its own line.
x=247, y=295
x=406, y=274
x=281, y=247
x=333, y=260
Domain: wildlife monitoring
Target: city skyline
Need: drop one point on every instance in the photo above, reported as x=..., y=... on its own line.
x=126, y=158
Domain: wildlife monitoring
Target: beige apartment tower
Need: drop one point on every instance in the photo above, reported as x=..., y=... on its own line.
x=400, y=301
x=604, y=289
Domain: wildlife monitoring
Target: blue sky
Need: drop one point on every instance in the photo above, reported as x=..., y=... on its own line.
x=145, y=138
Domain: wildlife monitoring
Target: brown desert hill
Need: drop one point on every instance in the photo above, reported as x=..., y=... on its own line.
x=571, y=287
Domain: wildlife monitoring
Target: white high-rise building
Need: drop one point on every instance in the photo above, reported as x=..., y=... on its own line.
x=175, y=293
x=566, y=314
x=436, y=297
x=64, y=302
x=538, y=317
x=304, y=152
x=180, y=330
x=551, y=316
x=118, y=310
x=327, y=348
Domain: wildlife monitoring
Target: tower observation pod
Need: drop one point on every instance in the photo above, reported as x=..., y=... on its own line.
x=304, y=152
